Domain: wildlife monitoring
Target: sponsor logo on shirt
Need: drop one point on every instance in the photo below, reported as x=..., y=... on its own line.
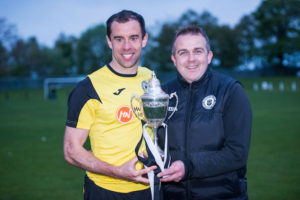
x=119, y=91
x=124, y=114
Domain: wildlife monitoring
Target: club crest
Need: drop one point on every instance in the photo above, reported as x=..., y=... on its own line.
x=209, y=102
x=144, y=85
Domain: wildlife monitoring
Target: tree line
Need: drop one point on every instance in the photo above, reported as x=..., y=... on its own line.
x=269, y=37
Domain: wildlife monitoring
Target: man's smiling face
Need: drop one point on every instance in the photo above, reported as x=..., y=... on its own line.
x=126, y=43
x=191, y=57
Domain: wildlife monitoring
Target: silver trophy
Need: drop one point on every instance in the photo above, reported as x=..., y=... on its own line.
x=154, y=106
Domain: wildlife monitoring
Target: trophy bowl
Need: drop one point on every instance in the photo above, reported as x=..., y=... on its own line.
x=155, y=108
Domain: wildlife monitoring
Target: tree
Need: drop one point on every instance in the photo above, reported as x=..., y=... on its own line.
x=92, y=49
x=7, y=39
x=28, y=58
x=157, y=54
x=278, y=27
x=34, y=59
x=64, y=53
x=19, y=59
x=8, y=33
x=225, y=47
x=246, y=34
x=4, y=70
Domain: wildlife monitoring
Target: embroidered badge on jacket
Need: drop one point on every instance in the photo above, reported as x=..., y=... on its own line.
x=209, y=102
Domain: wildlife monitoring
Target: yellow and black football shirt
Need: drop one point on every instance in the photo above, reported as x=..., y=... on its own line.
x=101, y=103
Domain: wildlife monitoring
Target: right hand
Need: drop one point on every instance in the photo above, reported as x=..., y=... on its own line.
x=127, y=171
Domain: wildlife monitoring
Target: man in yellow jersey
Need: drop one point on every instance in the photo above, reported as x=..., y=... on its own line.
x=99, y=107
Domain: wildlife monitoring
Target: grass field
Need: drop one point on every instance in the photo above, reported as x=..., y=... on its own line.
x=31, y=141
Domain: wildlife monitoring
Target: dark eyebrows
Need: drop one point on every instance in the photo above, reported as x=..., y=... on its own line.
x=120, y=37
x=117, y=37
x=195, y=49
x=134, y=36
x=181, y=50
x=200, y=48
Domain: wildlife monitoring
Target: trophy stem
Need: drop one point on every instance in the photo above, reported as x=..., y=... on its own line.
x=160, y=151
x=155, y=136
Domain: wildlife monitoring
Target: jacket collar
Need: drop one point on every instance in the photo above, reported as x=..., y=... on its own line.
x=197, y=83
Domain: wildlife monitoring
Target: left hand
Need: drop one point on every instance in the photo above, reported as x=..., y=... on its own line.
x=174, y=173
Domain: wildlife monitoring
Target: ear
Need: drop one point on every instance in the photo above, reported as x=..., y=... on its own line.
x=108, y=41
x=173, y=59
x=145, y=39
x=210, y=56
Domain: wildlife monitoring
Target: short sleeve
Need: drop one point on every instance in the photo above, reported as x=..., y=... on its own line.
x=81, y=105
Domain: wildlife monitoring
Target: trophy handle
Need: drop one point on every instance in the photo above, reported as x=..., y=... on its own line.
x=171, y=96
x=134, y=96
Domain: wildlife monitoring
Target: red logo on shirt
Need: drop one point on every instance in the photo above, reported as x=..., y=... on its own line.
x=124, y=114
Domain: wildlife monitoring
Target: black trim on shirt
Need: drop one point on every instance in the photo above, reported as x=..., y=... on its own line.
x=83, y=92
x=119, y=74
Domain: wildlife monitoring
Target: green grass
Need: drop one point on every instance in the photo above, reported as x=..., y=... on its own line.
x=31, y=155
x=34, y=168
x=274, y=164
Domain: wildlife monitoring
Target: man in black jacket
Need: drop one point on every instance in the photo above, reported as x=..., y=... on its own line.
x=209, y=134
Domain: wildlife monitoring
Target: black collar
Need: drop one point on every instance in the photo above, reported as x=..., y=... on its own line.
x=119, y=74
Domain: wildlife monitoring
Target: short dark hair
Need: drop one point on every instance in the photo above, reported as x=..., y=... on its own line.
x=191, y=29
x=124, y=16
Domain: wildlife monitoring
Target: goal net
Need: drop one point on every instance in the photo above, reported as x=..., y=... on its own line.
x=51, y=84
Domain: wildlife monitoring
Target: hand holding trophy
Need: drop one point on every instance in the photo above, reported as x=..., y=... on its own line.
x=154, y=105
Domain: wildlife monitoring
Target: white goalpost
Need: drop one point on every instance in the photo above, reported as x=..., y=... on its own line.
x=62, y=80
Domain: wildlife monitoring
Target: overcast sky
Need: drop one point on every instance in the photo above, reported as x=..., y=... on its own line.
x=46, y=19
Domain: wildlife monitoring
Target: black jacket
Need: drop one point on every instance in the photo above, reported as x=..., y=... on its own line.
x=210, y=132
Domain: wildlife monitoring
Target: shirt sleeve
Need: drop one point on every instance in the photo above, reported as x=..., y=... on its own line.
x=81, y=105
x=237, y=120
